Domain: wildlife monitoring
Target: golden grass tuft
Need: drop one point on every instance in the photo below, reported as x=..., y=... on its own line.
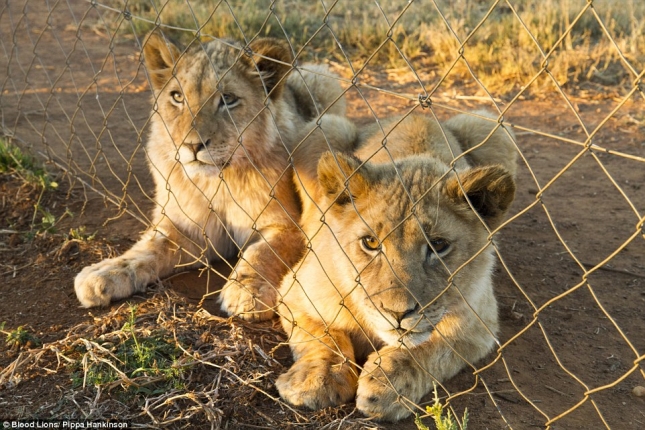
x=505, y=46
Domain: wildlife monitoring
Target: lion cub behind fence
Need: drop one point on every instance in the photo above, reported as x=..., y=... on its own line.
x=223, y=126
x=398, y=274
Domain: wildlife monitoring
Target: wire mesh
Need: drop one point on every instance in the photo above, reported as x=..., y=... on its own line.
x=569, y=273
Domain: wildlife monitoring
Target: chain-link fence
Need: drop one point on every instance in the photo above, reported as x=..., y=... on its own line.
x=205, y=121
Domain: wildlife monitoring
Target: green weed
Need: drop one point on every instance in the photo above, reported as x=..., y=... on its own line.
x=147, y=360
x=441, y=421
x=14, y=160
x=19, y=338
x=48, y=221
x=81, y=234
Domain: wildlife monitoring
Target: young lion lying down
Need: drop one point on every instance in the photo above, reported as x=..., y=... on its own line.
x=224, y=124
x=398, y=274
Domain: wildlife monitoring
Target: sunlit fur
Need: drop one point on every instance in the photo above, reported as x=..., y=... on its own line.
x=420, y=307
x=224, y=123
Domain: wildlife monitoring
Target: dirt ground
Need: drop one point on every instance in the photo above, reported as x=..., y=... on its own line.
x=570, y=282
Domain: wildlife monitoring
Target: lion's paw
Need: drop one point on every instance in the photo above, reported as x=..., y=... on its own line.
x=317, y=383
x=100, y=283
x=389, y=385
x=248, y=301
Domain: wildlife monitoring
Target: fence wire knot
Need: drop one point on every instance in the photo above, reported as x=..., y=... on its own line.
x=425, y=101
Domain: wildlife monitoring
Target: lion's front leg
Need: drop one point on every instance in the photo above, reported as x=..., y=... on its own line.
x=394, y=379
x=324, y=373
x=152, y=257
x=251, y=291
x=390, y=384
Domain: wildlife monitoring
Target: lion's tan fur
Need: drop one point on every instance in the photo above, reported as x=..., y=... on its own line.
x=223, y=128
x=411, y=314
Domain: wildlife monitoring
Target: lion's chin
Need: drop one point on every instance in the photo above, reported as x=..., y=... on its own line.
x=197, y=168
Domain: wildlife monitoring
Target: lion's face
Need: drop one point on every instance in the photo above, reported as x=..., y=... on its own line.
x=211, y=99
x=411, y=237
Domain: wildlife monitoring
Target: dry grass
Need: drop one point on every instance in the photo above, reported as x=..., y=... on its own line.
x=505, y=45
x=206, y=369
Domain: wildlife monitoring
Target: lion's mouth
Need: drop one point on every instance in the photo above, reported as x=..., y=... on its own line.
x=423, y=326
x=207, y=159
x=403, y=332
x=221, y=165
x=409, y=338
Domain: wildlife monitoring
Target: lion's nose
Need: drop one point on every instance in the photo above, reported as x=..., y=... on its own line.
x=400, y=315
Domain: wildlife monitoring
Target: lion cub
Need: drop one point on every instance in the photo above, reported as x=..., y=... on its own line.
x=398, y=272
x=223, y=127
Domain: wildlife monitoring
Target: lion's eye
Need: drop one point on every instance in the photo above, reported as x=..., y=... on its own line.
x=370, y=243
x=438, y=246
x=229, y=100
x=177, y=97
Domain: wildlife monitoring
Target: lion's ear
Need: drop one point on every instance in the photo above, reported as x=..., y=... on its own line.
x=160, y=55
x=271, y=60
x=340, y=178
x=490, y=190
